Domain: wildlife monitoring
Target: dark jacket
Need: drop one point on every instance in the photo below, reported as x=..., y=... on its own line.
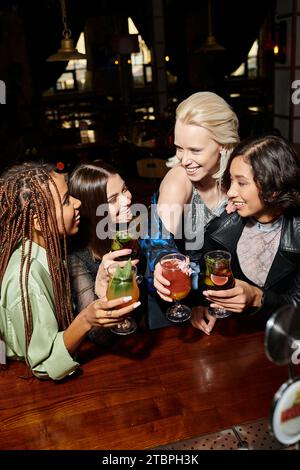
x=282, y=285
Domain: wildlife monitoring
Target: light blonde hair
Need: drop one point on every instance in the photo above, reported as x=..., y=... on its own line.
x=210, y=111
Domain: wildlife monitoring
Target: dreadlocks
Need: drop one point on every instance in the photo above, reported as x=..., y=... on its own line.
x=25, y=193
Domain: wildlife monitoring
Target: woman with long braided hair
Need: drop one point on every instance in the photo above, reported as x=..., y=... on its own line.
x=36, y=320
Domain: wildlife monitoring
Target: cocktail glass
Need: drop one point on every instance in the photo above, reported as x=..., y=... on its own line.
x=124, y=238
x=218, y=276
x=123, y=283
x=175, y=268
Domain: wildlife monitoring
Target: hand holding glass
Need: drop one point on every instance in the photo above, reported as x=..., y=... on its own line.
x=123, y=283
x=218, y=276
x=175, y=268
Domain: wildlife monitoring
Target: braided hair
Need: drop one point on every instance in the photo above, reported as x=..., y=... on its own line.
x=25, y=193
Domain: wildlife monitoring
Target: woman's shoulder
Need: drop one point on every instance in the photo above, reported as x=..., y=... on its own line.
x=177, y=174
x=82, y=255
x=292, y=215
x=291, y=221
x=84, y=260
x=175, y=186
x=225, y=222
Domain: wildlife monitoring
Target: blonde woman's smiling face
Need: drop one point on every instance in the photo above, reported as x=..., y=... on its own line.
x=198, y=152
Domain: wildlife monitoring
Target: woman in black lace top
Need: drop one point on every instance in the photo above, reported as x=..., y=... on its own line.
x=101, y=190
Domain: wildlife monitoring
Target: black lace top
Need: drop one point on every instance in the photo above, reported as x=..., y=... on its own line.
x=83, y=270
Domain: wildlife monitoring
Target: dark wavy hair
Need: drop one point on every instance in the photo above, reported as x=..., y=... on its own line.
x=88, y=183
x=276, y=169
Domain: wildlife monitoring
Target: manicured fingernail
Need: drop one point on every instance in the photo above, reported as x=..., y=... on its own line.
x=126, y=299
x=136, y=304
x=205, y=292
x=208, y=329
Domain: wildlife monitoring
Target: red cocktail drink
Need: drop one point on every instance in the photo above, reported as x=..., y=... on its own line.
x=175, y=269
x=179, y=279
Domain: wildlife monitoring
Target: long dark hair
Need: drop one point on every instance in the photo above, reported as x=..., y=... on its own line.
x=276, y=169
x=25, y=193
x=88, y=182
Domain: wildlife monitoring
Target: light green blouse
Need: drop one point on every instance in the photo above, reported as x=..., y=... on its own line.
x=47, y=354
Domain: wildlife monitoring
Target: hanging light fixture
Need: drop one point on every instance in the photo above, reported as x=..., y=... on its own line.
x=67, y=51
x=210, y=44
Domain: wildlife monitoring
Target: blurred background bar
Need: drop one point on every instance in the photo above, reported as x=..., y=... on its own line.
x=115, y=94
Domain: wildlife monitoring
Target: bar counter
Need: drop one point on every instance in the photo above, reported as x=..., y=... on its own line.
x=148, y=389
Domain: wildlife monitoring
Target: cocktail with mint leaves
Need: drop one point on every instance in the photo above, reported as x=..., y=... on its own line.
x=123, y=283
x=125, y=239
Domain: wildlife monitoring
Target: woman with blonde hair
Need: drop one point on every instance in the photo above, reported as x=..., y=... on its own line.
x=263, y=234
x=192, y=195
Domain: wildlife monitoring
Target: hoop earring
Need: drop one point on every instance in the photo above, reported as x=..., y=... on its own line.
x=219, y=183
x=223, y=160
x=223, y=154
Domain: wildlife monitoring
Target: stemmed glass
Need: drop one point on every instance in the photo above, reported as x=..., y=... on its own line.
x=218, y=276
x=175, y=268
x=122, y=283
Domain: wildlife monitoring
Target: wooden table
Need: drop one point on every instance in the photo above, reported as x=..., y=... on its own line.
x=148, y=389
